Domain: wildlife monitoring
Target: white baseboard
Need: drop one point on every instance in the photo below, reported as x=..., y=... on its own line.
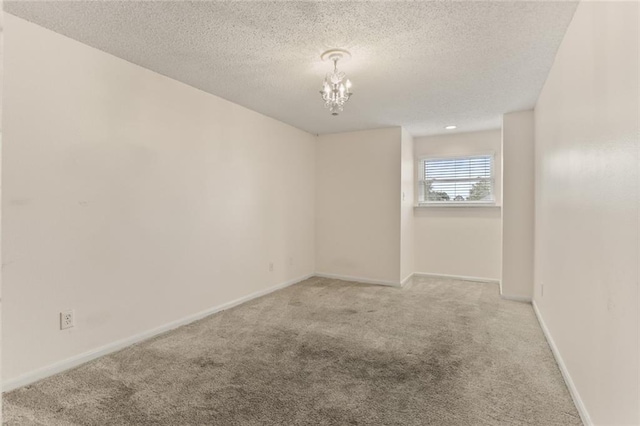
x=406, y=280
x=82, y=358
x=582, y=410
x=523, y=299
x=457, y=277
x=358, y=279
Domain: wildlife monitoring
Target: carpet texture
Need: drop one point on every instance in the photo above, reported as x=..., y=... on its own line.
x=324, y=352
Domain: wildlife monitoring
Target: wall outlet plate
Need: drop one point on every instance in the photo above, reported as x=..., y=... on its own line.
x=67, y=320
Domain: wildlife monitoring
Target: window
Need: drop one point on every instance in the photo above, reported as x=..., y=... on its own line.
x=456, y=180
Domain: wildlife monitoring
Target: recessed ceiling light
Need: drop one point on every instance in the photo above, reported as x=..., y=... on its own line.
x=451, y=127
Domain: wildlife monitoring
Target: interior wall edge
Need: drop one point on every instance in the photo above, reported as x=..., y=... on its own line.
x=523, y=299
x=363, y=280
x=174, y=80
x=406, y=279
x=83, y=358
x=149, y=201
x=573, y=390
x=457, y=277
x=358, y=213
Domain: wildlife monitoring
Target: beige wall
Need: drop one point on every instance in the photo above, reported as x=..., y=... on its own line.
x=135, y=200
x=461, y=241
x=406, y=210
x=1, y=85
x=358, y=205
x=517, y=205
x=586, y=205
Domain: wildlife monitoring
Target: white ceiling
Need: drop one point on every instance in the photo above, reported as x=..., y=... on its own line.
x=421, y=65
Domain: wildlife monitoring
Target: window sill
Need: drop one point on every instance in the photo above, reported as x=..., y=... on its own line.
x=457, y=205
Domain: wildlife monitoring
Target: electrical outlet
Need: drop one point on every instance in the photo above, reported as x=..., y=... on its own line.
x=67, y=320
x=270, y=266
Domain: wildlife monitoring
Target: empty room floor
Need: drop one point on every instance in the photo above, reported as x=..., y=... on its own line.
x=324, y=352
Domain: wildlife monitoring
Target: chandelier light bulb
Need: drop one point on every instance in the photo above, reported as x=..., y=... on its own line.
x=336, y=88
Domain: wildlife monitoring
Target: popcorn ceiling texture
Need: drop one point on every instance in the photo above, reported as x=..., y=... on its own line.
x=421, y=65
x=324, y=352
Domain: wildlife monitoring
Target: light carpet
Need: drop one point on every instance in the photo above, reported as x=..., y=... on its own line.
x=324, y=352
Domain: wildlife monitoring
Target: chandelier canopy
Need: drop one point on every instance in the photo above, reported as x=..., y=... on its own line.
x=336, y=88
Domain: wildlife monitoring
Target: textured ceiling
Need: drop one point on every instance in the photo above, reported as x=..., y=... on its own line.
x=421, y=65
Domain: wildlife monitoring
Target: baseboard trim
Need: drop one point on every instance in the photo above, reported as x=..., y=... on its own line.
x=406, y=280
x=457, y=277
x=573, y=391
x=522, y=299
x=75, y=361
x=358, y=279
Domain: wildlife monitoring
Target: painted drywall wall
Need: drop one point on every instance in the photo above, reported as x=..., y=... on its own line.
x=134, y=199
x=1, y=85
x=462, y=241
x=358, y=194
x=407, y=229
x=517, y=205
x=586, y=209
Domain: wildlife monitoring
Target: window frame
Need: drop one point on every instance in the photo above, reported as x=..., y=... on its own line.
x=480, y=203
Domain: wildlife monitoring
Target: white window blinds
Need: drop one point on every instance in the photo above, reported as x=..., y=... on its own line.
x=456, y=180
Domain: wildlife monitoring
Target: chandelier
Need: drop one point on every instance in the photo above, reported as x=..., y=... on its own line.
x=336, y=88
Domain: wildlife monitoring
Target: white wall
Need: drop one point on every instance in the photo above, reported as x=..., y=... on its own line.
x=586, y=209
x=358, y=205
x=462, y=241
x=1, y=86
x=517, y=205
x=134, y=199
x=407, y=228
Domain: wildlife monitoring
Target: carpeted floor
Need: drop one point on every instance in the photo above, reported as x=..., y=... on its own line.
x=324, y=352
